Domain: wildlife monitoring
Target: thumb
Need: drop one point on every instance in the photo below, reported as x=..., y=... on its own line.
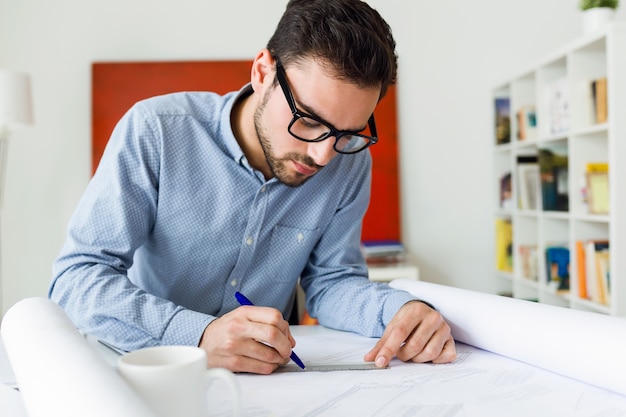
x=376, y=356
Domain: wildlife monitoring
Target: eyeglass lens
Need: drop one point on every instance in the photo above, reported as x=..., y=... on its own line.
x=311, y=130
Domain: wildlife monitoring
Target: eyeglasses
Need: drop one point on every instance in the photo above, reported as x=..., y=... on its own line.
x=309, y=128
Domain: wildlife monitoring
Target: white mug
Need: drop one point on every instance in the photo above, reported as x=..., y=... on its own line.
x=174, y=380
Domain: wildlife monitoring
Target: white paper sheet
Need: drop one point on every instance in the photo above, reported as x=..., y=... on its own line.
x=477, y=384
x=589, y=347
x=11, y=404
x=58, y=373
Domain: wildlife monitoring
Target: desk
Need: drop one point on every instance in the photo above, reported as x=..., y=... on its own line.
x=477, y=384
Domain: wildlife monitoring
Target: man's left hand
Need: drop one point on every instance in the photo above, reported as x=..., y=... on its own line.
x=416, y=333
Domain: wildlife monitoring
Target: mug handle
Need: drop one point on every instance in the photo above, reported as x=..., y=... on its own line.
x=229, y=378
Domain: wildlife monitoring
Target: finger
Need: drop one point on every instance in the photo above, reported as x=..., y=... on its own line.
x=246, y=364
x=247, y=356
x=261, y=352
x=372, y=354
x=266, y=325
x=425, y=341
x=387, y=347
x=292, y=340
x=233, y=342
x=397, y=332
x=429, y=351
x=266, y=315
x=448, y=354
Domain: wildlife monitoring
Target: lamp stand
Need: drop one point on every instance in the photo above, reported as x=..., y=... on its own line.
x=4, y=149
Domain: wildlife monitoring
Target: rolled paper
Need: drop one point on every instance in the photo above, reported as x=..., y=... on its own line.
x=586, y=346
x=57, y=371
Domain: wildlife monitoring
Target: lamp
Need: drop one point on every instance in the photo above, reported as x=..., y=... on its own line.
x=16, y=110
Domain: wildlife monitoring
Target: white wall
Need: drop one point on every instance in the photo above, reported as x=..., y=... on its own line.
x=451, y=54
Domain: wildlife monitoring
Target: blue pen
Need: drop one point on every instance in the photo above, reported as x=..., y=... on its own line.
x=243, y=300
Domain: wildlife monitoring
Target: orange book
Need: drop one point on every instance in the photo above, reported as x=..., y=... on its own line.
x=581, y=270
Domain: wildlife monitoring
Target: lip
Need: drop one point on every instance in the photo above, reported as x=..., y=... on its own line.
x=303, y=169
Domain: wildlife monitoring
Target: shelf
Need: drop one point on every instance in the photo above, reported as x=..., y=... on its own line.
x=552, y=113
x=591, y=306
x=528, y=283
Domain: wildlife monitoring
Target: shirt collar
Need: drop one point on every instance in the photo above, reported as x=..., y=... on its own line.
x=229, y=137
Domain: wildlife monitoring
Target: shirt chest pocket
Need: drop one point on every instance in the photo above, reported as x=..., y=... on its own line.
x=291, y=247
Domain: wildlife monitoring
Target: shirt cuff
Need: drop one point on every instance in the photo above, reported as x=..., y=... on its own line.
x=186, y=328
x=395, y=301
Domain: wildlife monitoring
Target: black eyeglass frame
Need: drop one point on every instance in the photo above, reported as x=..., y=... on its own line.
x=332, y=131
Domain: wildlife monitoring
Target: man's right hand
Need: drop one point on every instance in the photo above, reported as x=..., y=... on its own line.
x=248, y=339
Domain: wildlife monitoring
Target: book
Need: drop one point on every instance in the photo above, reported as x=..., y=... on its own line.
x=526, y=123
x=597, y=167
x=590, y=271
x=506, y=191
x=603, y=276
x=504, y=245
x=527, y=172
x=557, y=268
x=529, y=263
x=553, y=169
x=557, y=98
x=597, y=270
x=599, y=98
x=382, y=251
x=597, y=187
x=581, y=270
x=502, y=120
x=598, y=193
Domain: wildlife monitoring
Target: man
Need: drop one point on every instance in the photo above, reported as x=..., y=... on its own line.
x=198, y=196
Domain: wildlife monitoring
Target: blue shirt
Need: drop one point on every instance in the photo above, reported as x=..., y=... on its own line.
x=175, y=220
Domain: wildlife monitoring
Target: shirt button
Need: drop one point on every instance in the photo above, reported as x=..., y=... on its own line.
x=300, y=237
x=249, y=241
x=263, y=189
x=233, y=283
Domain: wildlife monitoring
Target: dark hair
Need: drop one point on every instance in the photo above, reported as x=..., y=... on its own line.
x=347, y=34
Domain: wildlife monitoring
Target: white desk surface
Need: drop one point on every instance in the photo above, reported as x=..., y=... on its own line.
x=479, y=383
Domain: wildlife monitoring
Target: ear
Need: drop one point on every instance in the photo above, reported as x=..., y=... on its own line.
x=262, y=72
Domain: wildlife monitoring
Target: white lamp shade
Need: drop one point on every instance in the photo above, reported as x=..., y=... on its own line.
x=15, y=99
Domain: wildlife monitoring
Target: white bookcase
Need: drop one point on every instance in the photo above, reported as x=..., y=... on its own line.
x=584, y=141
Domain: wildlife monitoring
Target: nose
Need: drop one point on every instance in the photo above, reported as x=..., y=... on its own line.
x=322, y=152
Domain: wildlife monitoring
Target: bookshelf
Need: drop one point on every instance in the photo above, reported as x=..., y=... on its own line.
x=561, y=115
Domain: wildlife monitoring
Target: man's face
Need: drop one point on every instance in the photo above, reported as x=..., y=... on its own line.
x=344, y=105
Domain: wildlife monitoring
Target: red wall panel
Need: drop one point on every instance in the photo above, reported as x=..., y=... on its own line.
x=116, y=86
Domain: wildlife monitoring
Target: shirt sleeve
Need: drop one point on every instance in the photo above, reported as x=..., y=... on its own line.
x=338, y=291
x=113, y=218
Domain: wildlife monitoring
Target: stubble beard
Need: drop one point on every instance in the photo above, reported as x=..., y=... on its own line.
x=277, y=165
